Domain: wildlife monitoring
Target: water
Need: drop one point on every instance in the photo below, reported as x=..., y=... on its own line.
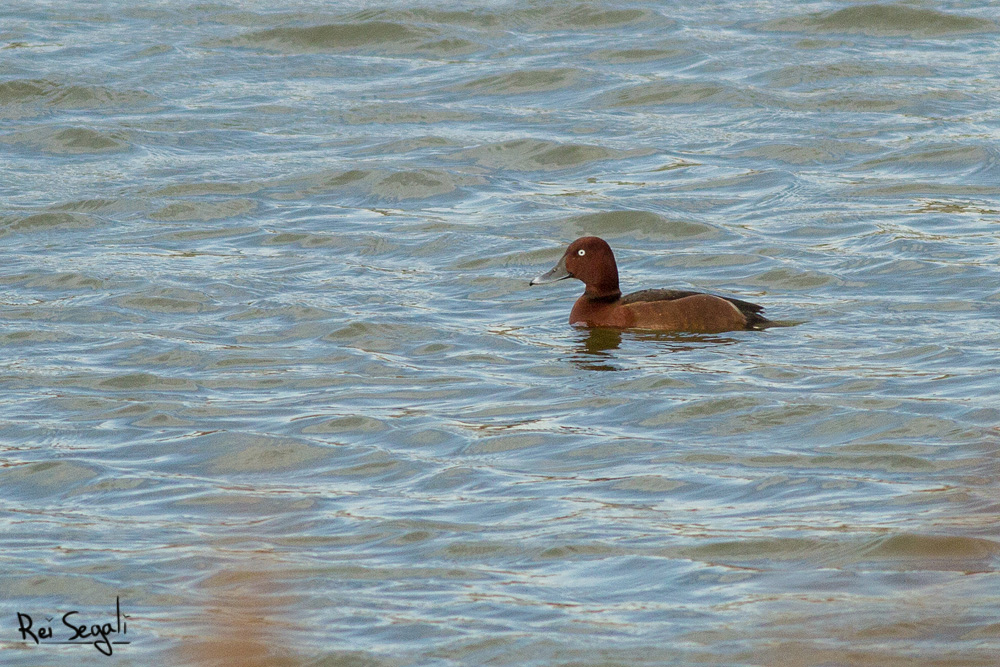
x=272, y=372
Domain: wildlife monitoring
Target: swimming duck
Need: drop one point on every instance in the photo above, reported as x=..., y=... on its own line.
x=590, y=260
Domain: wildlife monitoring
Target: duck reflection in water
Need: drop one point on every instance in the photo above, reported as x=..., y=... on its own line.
x=595, y=344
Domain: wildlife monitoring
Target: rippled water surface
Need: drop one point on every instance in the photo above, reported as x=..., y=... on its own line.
x=272, y=372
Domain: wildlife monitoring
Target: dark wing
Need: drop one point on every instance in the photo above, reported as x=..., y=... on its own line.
x=655, y=295
x=750, y=310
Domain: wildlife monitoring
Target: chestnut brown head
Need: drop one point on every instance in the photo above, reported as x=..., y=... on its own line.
x=590, y=260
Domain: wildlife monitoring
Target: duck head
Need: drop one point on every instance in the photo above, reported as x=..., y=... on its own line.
x=590, y=260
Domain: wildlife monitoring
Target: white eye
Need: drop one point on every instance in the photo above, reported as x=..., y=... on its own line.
x=581, y=252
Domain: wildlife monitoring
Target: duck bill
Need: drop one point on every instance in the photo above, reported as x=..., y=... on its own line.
x=558, y=272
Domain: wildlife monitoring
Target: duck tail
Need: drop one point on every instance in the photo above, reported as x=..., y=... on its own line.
x=757, y=322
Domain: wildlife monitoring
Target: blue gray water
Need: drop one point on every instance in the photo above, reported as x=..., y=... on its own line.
x=273, y=375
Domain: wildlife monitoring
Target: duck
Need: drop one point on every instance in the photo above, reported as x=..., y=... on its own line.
x=590, y=260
